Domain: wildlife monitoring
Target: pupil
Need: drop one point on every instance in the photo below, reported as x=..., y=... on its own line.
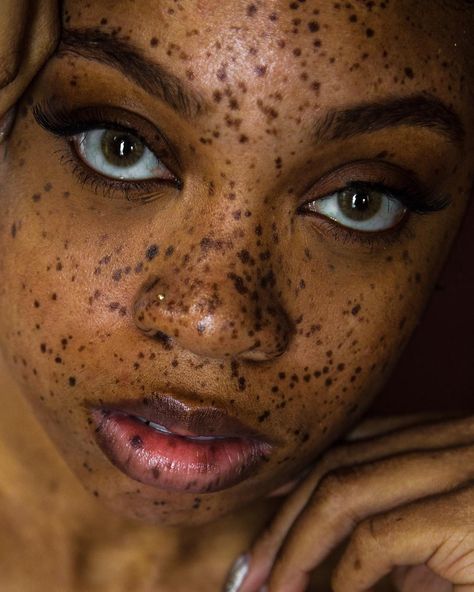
x=121, y=149
x=360, y=201
x=360, y=205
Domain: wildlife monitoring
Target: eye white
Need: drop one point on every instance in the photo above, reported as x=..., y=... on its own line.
x=383, y=212
x=90, y=146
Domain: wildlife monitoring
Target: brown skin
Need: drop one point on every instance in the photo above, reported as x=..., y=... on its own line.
x=336, y=313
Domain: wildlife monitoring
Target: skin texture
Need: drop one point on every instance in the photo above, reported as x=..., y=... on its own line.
x=331, y=315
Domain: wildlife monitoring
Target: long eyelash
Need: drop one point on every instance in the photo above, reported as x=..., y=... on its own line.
x=413, y=196
x=63, y=123
x=416, y=199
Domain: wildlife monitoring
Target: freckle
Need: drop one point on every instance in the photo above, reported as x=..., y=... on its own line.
x=136, y=442
x=59, y=266
x=261, y=70
x=117, y=275
x=353, y=18
x=103, y=21
x=36, y=304
x=251, y=10
x=409, y=73
x=138, y=267
x=154, y=42
x=48, y=187
x=356, y=309
x=58, y=360
x=313, y=26
x=152, y=252
x=43, y=347
x=13, y=230
x=72, y=381
x=369, y=32
x=36, y=197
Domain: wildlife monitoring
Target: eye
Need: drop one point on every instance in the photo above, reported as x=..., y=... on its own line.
x=360, y=207
x=119, y=154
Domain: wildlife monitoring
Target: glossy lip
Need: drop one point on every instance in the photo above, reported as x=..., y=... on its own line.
x=228, y=452
x=183, y=420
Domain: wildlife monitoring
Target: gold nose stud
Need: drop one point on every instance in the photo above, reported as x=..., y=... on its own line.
x=161, y=297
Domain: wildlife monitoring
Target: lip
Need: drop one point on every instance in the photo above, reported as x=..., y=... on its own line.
x=198, y=450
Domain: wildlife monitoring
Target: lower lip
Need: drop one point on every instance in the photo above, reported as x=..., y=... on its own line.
x=173, y=462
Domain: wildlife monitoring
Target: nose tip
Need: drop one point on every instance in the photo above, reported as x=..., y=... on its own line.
x=208, y=321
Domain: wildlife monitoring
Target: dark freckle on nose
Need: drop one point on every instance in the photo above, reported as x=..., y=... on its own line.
x=356, y=309
x=152, y=252
x=72, y=381
x=369, y=32
x=36, y=197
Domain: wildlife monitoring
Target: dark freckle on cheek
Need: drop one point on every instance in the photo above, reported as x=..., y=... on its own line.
x=154, y=42
x=251, y=10
x=36, y=197
x=152, y=252
x=369, y=32
x=72, y=381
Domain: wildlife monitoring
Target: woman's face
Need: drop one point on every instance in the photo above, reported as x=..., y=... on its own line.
x=280, y=258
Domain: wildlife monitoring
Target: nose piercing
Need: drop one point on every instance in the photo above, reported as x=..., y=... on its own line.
x=160, y=297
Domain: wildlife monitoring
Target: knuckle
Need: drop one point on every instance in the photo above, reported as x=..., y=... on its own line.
x=338, y=486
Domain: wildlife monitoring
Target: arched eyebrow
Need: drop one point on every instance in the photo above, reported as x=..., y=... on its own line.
x=100, y=46
x=420, y=110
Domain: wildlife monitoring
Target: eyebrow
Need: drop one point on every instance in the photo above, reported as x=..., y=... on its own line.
x=122, y=55
x=420, y=110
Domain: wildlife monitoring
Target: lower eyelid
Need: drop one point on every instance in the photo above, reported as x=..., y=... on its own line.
x=382, y=239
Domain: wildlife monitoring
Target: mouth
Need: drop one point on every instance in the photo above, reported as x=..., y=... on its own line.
x=162, y=442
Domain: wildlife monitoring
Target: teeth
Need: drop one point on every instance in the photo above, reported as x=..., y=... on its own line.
x=163, y=430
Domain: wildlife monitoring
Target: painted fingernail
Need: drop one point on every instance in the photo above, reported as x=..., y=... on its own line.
x=237, y=574
x=6, y=123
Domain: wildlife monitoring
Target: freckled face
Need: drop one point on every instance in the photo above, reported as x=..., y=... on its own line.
x=274, y=269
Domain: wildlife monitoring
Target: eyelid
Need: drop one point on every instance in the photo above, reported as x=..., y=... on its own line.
x=63, y=122
x=400, y=183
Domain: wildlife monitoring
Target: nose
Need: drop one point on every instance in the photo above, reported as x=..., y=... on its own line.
x=214, y=308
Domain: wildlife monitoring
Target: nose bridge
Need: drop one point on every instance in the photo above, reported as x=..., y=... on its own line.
x=216, y=299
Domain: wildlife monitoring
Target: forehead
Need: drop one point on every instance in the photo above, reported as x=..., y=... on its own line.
x=320, y=42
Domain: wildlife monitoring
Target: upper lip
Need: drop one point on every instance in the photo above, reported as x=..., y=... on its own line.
x=181, y=419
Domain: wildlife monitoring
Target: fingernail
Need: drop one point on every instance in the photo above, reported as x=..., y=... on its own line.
x=237, y=574
x=6, y=123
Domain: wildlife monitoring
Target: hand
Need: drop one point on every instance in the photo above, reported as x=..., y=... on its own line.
x=29, y=32
x=401, y=497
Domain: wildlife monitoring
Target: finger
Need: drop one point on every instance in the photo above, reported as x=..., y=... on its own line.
x=40, y=38
x=420, y=577
x=436, y=532
x=425, y=437
x=6, y=123
x=13, y=14
x=377, y=426
x=348, y=496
